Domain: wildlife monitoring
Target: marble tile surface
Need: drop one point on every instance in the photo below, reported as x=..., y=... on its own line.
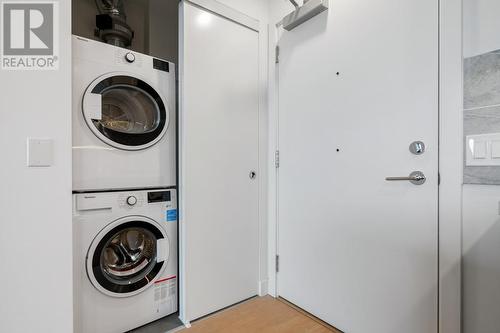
x=481, y=121
x=482, y=80
x=482, y=109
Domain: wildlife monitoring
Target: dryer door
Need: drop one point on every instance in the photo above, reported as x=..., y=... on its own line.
x=125, y=112
x=127, y=256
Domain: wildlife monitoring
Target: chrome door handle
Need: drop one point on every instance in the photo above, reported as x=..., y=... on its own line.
x=416, y=178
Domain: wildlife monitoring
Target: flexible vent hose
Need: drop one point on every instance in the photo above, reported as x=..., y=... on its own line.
x=111, y=23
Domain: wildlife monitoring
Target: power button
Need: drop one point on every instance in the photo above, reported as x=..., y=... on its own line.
x=130, y=57
x=131, y=201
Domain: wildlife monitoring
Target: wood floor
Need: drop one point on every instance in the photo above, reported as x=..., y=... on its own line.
x=259, y=315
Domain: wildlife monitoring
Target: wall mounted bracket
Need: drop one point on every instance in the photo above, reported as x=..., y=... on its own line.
x=304, y=13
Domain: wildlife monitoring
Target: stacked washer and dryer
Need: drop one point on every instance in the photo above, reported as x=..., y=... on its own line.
x=124, y=185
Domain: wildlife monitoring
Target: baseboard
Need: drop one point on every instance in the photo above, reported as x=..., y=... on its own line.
x=263, y=287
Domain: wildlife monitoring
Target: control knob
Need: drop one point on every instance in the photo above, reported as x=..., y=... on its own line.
x=130, y=57
x=131, y=200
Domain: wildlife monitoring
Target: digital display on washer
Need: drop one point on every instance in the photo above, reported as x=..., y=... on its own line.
x=161, y=65
x=163, y=196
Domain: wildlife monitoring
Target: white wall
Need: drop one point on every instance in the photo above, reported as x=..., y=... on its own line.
x=481, y=26
x=481, y=251
x=35, y=203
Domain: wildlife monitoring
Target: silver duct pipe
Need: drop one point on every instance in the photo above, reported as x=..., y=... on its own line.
x=112, y=7
x=111, y=23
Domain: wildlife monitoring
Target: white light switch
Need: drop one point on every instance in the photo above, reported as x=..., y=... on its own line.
x=495, y=149
x=40, y=152
x=479, y=149
x=483, y=149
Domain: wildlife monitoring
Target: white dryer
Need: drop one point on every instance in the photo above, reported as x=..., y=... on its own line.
x=124, y=127
x=125, y=259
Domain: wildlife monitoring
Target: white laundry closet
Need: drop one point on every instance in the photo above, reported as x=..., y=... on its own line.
x=219, y=140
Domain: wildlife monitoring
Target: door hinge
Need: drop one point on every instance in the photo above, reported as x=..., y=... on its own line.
x=277, y=54
x=439, y=178
x=277, y=159
x=277, y=263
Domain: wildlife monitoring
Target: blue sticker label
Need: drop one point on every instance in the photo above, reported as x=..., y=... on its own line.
x=172, y=215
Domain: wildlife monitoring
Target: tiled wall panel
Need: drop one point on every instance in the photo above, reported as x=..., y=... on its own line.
x=482, y=109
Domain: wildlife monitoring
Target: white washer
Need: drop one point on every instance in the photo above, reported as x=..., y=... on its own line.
x=124, y=127
x=125, y=259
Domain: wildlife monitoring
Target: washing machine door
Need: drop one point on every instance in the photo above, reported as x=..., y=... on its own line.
x=127, y=256
x=125, y=112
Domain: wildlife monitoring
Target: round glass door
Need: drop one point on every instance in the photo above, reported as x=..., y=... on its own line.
x=125, y=112
x=123, y=259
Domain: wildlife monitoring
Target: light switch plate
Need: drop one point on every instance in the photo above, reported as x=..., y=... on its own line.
x=480, y=149
x=483, y=149
x=40, y=152
x=495, y=149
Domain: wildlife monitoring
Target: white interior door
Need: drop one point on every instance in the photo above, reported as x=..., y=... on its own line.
x=219, y=147
x=358, y=85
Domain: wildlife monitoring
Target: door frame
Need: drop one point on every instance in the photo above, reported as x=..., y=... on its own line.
x=450, y=164
x=261, y=28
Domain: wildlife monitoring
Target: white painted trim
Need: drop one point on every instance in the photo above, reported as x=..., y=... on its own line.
x=263, y=157
x=227, y=12
x=263, y=289
x=273, y=105
x=187, y=324
x=181, y=207
x=450, y=165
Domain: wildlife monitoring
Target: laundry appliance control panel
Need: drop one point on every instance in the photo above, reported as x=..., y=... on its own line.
x=125, y=200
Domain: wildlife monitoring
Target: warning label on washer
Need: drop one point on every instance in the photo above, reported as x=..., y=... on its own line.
x=165, y=295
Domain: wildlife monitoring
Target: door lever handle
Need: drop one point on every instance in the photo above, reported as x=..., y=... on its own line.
x=416, y=178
